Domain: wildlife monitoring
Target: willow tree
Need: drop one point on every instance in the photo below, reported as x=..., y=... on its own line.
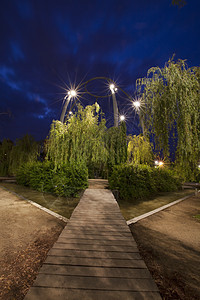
x=171, y=99
x=5, y=151
x=179, y=3
x=25, y=150
x=116, y=144
x=80, y=139
x=139, y=150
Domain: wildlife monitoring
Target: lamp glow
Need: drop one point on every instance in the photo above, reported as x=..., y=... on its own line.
x=161, y=163
x=72, y=93
x=122, y=118
x=112, y=88
x=136, y=104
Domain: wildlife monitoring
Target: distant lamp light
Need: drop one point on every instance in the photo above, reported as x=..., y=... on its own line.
x=158, y=163
x=199, y=166
x=122, y=118
x=72, y=93
x=70, y=112
x=112, y=88
x=136, y=104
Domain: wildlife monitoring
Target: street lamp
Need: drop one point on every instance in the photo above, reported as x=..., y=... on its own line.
x=71, y=94
x=122, y=118
x=115, y=107
x=136, y=105
x=159, y=163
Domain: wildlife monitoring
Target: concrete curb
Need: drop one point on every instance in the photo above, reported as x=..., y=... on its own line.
x=50, y=212
x=134, y=220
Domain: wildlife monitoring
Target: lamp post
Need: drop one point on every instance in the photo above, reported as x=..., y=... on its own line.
x=115, y=107
x=71, y=94
x=137, y=106
x=122, y=118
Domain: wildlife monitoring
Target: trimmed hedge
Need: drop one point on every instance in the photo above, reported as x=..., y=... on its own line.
x=140, y=181
x=66, y=180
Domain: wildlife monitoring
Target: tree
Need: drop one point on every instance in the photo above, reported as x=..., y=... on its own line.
x=139, y=150
x=5, y=152
x=25, y=150
x=171, y=97
x=179, y=3
x=80, y=139
x=84, y=138
x=116, y=143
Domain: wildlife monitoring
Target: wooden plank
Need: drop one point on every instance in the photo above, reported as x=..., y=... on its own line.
x=108, y=237
x=108, y=242
x=77, y=246
x=74, y=294
x=93, y=254
x=94, y=283
x=102, y=227
x=95, y=271
x=96, y=262
x=95, y=232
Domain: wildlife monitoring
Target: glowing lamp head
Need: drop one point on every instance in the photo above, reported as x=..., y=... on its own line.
x=112, y=88
x=136, y=104
x=161, y=163
x=122, y=118
x=156, y=162
x=72, y=93
x=199, y=166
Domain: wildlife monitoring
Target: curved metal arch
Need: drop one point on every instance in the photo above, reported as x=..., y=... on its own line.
x=86, y=91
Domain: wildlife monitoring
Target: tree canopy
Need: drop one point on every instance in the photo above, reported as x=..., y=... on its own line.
x=85, y=138
x=171, y=110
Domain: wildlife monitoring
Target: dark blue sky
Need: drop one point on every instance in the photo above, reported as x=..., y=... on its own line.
x=46, y=44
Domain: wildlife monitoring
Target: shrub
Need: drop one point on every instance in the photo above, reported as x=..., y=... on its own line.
x=140, y=181
x=67, y=180
x=166, y=180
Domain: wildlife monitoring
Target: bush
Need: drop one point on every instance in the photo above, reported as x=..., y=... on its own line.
x=140, y=181
x=67, y=180
x=166, y=180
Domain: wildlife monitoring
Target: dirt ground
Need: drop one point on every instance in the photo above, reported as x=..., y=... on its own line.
x=169, y=242
x=26, y=235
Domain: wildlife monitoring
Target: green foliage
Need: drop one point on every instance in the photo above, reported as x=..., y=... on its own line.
x=5, y=152
x=171, y=98
x=80, y=139
x=140, y=181
x=139, y=150
x=166, y=180
x=179, y=3
x=66, y=180
x=116, y=143
x=25, y=150
x=85, y=138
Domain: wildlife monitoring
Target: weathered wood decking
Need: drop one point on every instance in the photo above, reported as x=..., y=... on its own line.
x=95, y=257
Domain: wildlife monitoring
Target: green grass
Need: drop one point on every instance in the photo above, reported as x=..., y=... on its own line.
x=197, y=217
x=61, y=205
x=134, y=209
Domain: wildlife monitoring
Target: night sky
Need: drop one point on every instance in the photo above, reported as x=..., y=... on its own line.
x=46, y=46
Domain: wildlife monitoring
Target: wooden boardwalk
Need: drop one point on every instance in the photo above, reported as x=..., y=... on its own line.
x=95, y=257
